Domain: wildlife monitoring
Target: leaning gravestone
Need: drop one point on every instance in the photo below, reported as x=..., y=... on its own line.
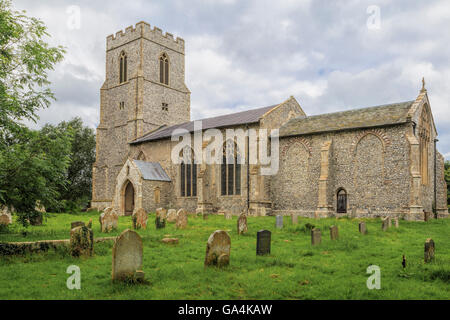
x=76, y=224
x=362, y=228
x=263, y=239
x=242, y=224
x=218, y=249
x=316, y=236
x=279, y=222
x=385, y=223
x=334, y=233
x=140, y=218
x=127, y=256
x=182, y=219
x=108, y=220
x=171, y=216
x=81, y=241
x=294, y=218
x=160, y=220
x=429, y=250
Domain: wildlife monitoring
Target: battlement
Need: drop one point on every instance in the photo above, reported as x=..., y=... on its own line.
x=144, y=30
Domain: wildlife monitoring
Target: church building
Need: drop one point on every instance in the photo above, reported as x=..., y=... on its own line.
x=369, y=162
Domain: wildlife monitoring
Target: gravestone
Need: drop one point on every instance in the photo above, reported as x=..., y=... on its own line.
x=385, y=223
x=170, y=240
x=76, y=224
x=316, y=236
x=182, y=219
x=362, y=228
x=81, y=241
x=395, y=222
x=127, y=257
x=334, y=233
x=279, y=222
x=5, y=219
x=242, y=224
x=36, y=220
x=294, y=218
x=427, y=216
x=218, y=249
x=171, y=216
x=160, y=219
x=263, y=239
x=140, y=218
x=227, y=215
x=205, y=215
x=108, y=220
x=429, y=250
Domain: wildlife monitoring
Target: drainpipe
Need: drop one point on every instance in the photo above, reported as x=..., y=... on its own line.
x=248, y=169
x=435, y=178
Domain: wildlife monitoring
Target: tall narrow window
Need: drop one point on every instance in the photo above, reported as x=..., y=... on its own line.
x=188, y=174
x=230, y=170
x=164, y=69
x=123, y=68
x=424, y=142
x=342, y=201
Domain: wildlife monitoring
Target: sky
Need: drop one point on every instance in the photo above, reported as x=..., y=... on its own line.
x=330, y=55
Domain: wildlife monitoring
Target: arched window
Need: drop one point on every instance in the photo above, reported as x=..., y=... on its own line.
x=123, y=68
x=341, y=201
x=424, y=142
x=188, y=174
x=164, y=69
x=230, y=170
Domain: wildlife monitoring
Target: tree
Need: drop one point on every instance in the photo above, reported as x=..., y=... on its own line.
x=77, y=192
x=447, y=179
x=25, y=59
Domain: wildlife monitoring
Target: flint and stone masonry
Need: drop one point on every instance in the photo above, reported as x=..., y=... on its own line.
x=369, y=162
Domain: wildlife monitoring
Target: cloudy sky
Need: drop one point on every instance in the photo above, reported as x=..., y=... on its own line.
x=330, y=55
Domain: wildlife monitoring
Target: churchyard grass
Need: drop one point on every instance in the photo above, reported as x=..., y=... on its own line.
x=294, y=270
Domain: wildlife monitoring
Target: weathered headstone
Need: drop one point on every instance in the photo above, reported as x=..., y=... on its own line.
x=263, y=239
x=228, y=215
x=279, y=222
x=205, y=215
x=36, y=220
x=242, y=224
x=160, y=219
x=76, y=224
x=127, y=257
x=5, y=219
x=81, y=241
x=108, y=220
x=218, y=249
x=294, y=218
x=334, y=233
x=170, y=240
x=171, y=216
x=362, y=228
x=140, y=218
x=429, y=250
x=395, y=222
x=182, y=219
x=385, y=223
x=316, y=236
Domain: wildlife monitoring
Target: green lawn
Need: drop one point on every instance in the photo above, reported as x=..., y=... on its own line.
x=294, y=270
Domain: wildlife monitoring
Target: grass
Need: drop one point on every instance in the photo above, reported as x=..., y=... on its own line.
x=293, y=270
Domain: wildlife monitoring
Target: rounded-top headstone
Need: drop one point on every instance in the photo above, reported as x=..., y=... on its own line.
x=182, y=219
x=242, y=223
x=81, y=241
x=218, y=249
x=127, y=255
x=171, y=215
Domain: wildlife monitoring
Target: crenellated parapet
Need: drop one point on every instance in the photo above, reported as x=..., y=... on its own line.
x=144, y=30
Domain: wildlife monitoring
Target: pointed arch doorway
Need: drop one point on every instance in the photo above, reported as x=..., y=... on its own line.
x=128, y=198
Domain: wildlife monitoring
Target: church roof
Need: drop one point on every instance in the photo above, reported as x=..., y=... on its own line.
x=151, y=171
x=389, y=114
x=228, y=120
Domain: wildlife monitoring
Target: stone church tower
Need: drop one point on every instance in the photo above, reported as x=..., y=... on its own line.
x=144, y=89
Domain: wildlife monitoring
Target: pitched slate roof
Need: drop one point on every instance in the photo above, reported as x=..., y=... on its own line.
x=388, y=114
x=233, y=119
x=151, y=171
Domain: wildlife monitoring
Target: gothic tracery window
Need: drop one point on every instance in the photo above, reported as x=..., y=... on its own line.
x=230, y=170
x=123, y=68
x=164, y=69
x=424, y=142
x=188, y=174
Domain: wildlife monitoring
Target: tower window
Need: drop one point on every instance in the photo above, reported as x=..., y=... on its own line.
x=165, y=106
x=123, y=68
x=164, y=69
x=121, y=105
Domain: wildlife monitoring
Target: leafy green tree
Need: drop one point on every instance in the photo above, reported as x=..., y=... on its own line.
x=79, y=173
x=25, y=59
